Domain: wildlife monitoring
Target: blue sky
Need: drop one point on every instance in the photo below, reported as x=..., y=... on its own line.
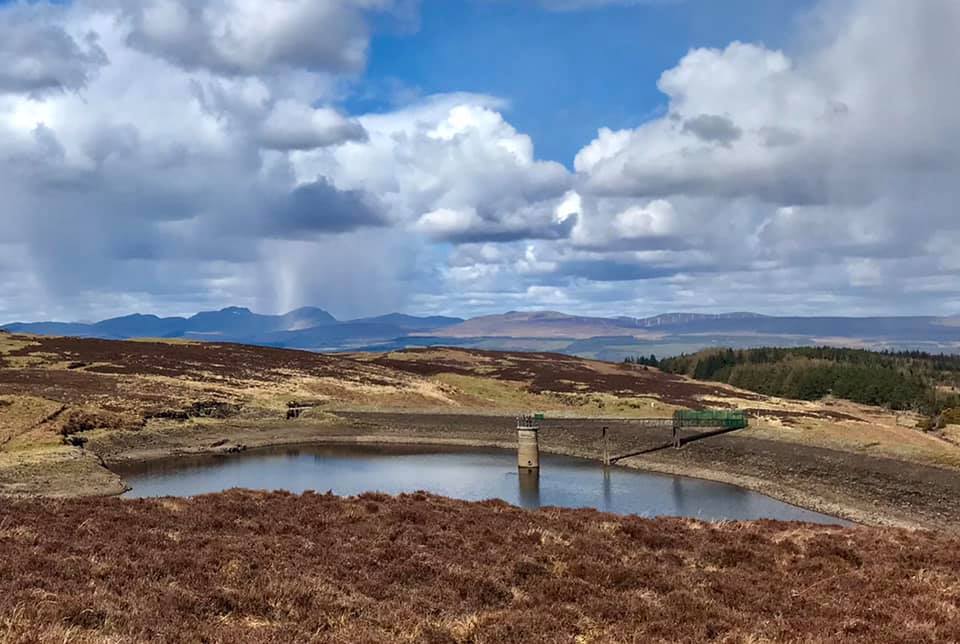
x=565, y=73
x=464, y=157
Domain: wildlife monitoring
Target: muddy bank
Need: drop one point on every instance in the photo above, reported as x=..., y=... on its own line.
x=858, y=487
x=60, y=472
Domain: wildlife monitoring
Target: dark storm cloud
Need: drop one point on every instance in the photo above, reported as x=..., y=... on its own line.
x=94, y=227
x=318, y=207
x=497, y=231
x=38, y=58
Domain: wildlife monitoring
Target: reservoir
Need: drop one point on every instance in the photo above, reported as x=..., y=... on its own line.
x=471, y=474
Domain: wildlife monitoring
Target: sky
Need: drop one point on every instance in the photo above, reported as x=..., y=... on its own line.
x=465, y=157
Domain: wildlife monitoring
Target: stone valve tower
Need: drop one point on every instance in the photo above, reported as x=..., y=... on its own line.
x=528, y=441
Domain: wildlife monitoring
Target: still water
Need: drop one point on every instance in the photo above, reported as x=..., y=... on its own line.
x=463, y=473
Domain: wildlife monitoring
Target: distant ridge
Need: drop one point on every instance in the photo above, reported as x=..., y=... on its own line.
x=300, y=327
x=671, y=319
x=608, y=338
x=411, y=322
x=540, y=324
x=556, y=324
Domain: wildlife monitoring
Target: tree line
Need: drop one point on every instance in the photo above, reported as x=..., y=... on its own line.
x=901, y=380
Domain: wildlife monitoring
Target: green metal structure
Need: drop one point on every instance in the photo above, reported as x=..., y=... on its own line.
x=727, y=419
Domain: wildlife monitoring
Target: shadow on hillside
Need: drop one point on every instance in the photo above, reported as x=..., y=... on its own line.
x=683, y=441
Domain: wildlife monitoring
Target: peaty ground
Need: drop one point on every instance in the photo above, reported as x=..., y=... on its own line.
x=258, y=567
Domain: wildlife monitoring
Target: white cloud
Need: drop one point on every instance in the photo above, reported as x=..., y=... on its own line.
x=454, y=168
x=843, y=155
x=295, y=126
x=732, y=97
x=444, y=222
x=254, y=36
x=172, y=155
x=654, y=220
x=820, y=180
x=158, y=181
x=167, y=175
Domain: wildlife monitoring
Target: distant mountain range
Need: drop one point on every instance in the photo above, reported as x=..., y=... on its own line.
x=606, y=338
x=308, y=327
x=551, y=324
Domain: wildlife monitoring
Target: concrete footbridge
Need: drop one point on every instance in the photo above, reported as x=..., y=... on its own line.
x=713, y=421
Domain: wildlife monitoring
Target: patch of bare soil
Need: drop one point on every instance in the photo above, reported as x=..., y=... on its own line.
x=247, y=567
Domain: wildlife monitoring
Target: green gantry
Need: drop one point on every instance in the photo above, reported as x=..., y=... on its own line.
x=725, y=418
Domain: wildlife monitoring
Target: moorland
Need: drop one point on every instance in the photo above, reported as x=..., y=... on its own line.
x=79, y=564
x=273, y=567
x=70, y=408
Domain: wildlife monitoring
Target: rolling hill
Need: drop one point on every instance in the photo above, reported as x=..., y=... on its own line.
x=552, y=324
x=307, y=327
x=607, y=338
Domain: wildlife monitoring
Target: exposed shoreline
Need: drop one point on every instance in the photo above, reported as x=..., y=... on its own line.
x=697, y=460
x=746, y=483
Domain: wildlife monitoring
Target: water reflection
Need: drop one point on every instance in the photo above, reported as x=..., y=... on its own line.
x=472, y=474
x=529, y=487
x=679, y=499
x=607, y=489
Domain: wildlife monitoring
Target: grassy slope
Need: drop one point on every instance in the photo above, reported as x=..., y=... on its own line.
x=276, y=567
x=574, y=386
x=52, y=386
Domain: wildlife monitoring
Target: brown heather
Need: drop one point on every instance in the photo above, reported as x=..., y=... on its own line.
x=257, y=567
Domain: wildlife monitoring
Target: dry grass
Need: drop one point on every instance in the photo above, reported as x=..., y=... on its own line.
x=277, y=567
x=869, y=430
x=158, y=377
x=10, y=343
x=481, y=392
x=952, y=433
x=144, y=380
x=163, y=379
x=23, y=420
